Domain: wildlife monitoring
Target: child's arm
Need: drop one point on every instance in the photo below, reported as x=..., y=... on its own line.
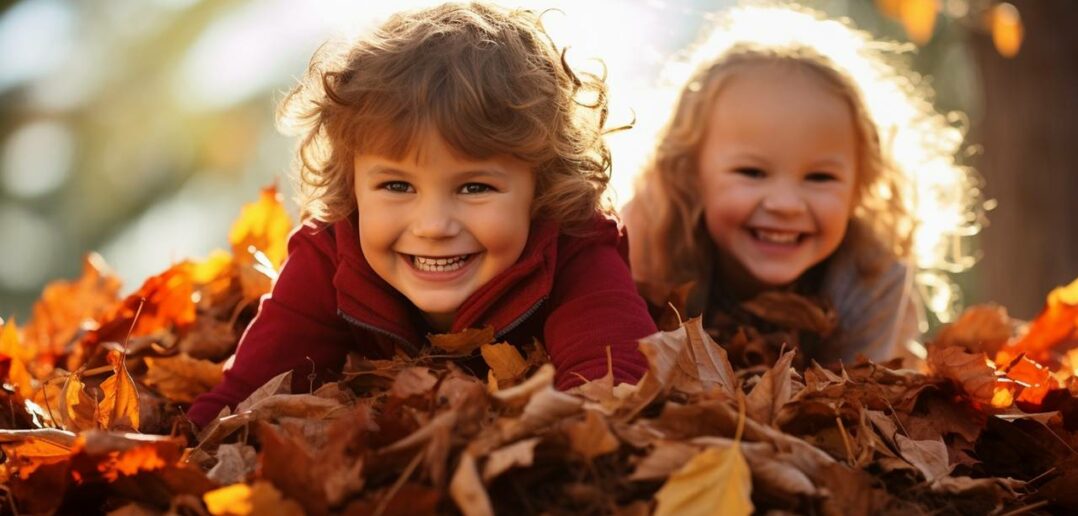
x=297, y=328
x=595, y=305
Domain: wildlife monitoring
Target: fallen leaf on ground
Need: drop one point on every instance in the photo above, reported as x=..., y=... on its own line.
x=716, y=481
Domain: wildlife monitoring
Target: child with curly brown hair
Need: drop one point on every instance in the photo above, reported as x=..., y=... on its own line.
x=452, y=167
x=799, y=158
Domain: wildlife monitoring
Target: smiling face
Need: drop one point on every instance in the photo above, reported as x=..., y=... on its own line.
x=777, y=170
x=437, y=226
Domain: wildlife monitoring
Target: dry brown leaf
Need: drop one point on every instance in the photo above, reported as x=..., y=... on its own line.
x=790, y=310
x=119, y=410
x=971, y=371
x=772, y=392
x=235, y=462
x=776, y=477
x=685, y=360
x=929, y=457
x=467, y=489
x=289, y=464
x=463, y=343
x=546, y=408
x=519, y=395
x=209, y=339
x=280, y=384
x=504, y=360
x=984, y=328
x=1007, y=487
x=413, y=381
x=716, y=481
x=518, y=454
x=666, y=458
x=591, y=437
x=181, y=378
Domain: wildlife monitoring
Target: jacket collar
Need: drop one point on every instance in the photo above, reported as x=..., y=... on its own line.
x=368, y=301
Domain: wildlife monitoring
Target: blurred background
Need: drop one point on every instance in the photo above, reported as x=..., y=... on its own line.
x=137, y=128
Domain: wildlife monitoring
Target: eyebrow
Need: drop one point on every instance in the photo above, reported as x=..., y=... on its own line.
x=830, y=161
x=491, y=172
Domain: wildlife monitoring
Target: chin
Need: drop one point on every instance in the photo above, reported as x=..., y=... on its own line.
x=775, y=280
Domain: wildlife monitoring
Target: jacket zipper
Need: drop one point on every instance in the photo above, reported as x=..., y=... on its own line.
x=516, y=322
x=374, y=329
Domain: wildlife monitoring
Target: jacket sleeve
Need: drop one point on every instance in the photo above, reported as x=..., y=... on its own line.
x=879, y=318
x=297, y=328
x=594, y=304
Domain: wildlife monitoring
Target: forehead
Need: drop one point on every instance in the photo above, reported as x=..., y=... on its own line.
x=429, y=151
x=768, y=102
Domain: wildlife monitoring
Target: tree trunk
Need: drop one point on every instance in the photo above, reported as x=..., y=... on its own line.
x=1029, y=133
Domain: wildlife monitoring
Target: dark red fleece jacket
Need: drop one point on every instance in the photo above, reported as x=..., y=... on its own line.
x=574, y=294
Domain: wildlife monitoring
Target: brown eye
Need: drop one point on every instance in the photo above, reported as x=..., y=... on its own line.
x=750, y=172
x=476, y=188
x=821, y=177
x=396, y=187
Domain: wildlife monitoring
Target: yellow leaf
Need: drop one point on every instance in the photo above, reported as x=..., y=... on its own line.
x=215, y=266
x=120, y=408
x=591, y=437
x=242, y=499
x=919, y=19
x=716, y=481
x=77, y=409
x=181, y=378
x=504, y=360
x=1007, y=30
x=462, y=343
x=233, y=499
x=263, y=225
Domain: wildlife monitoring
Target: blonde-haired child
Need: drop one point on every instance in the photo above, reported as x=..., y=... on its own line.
x=452, y=166
x=798, y=158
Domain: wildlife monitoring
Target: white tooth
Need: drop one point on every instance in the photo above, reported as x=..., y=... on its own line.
x=779, y=237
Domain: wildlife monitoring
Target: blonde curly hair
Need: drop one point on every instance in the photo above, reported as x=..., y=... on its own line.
x=489, y=80
x=911, y=195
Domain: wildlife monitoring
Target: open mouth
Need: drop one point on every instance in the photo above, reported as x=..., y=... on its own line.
x=440, y=263
x=778, y=237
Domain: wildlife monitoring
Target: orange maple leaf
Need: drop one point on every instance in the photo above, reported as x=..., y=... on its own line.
x=167, y=305
x=17, y=357
x=1057, y=323
x=68, y=307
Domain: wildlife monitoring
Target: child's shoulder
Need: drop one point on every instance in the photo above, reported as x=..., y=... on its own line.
x=333, y=239
x=863, y=269
x=603, y=231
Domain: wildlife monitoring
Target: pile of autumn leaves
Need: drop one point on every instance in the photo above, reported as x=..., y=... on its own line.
x=96, y=386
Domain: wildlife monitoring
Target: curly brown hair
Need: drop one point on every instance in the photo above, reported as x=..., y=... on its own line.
x=489, y=80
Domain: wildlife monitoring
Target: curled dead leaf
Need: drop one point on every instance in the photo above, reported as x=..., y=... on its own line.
x=463, y=343
x=119, y=410
x=970, y=371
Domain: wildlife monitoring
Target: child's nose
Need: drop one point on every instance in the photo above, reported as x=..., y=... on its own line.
x=784, y=200
x=434, y=218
